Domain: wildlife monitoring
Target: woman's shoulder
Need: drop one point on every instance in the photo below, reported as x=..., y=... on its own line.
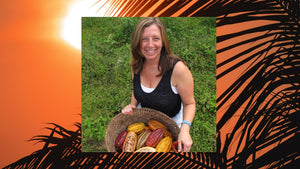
x=180, y=67
x=181, y=75
x=180, y=70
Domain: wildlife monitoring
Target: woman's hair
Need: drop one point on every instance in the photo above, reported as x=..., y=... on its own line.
x=166, y=57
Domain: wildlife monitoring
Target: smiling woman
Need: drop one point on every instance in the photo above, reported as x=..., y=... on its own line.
x=71, y=23
x=106, y=77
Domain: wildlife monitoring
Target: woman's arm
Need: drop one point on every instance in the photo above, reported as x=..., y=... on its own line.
x=128, y=110
x=182, y=79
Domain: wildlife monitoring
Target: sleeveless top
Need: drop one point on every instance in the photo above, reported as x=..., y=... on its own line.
x=162, y=98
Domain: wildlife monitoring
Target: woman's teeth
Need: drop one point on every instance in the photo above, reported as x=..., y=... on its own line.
x=150, y=51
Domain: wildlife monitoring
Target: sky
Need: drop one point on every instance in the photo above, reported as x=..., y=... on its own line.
x=40, y=71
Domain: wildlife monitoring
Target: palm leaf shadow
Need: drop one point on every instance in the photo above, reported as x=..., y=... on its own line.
x=268, y=122
x=267, y=118
x=62, y=150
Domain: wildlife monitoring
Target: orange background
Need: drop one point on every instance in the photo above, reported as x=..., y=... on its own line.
x=40, y=75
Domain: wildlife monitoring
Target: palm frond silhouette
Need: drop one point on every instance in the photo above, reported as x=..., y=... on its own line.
x=62, y=149
x=260, y=103
x=268, y=102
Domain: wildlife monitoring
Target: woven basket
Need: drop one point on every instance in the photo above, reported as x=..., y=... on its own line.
x=120, y=123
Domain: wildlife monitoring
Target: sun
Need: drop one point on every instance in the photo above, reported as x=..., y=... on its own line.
x=71, y=23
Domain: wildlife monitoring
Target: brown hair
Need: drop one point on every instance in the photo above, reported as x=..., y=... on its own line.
x=166, y=57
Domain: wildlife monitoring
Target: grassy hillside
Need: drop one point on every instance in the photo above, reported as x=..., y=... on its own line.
x=106, y=76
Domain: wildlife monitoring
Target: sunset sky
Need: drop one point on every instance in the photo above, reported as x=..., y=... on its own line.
x=40, y=72
x=40, y=69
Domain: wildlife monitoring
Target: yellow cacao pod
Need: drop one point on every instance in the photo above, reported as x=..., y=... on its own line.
x=154, y=124
x=138, y=127
x=130, y=142
x=164, y=145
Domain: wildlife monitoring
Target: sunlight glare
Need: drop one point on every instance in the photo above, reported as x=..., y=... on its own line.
x=71, y=23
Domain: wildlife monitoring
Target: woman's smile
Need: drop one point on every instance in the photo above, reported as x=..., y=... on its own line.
x=150, y=51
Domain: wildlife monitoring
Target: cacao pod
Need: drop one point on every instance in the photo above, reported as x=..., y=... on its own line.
x=120, y=140
x=164, y=145
x=155, y=137
x=154, y=124
x=130, y=142
x=136, y=127
x=175, y=146
x=167, y=133
x=142, y=138
x=146, y=149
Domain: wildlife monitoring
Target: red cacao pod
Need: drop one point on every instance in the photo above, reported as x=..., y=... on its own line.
x=120, y=140
x=175, y=146
x=155, y=137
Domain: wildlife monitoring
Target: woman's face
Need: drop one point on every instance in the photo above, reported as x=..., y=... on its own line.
x=151, y=42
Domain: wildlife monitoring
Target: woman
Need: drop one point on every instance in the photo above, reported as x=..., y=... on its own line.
x=161, y=80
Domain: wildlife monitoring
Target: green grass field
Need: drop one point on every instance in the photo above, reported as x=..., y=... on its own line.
x=106, y=76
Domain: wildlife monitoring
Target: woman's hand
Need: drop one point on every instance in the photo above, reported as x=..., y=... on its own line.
x=128, y=110
x=184, y=139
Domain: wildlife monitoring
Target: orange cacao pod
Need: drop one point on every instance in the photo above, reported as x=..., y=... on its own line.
x=142, y=138
x=167, y=133
x=154, y=124
x=130, y=142
x=120, y=140
x=136, y=127
x=155, y=137
x=164, y=144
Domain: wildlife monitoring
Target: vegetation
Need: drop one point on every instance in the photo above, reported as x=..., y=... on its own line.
x=106, y=76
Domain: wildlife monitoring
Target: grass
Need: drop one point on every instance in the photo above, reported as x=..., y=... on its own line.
x=106, y=76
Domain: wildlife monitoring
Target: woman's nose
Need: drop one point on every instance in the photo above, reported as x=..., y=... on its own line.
x=150, y=44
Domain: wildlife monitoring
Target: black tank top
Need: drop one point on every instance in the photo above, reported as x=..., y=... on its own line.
x=162, y=98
